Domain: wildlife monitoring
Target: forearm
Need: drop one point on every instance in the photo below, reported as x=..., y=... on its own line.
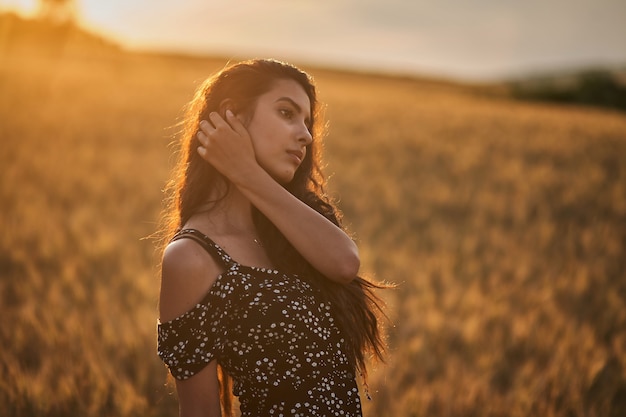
x=324, y=245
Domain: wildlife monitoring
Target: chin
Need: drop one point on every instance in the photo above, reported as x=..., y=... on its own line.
x=284, y=181
x=283, y=178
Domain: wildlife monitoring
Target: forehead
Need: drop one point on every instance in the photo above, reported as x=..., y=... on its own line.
x=288, y=90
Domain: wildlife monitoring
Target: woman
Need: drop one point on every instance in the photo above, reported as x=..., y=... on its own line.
x=259, y=280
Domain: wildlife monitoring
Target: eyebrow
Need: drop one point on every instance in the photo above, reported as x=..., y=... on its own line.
x=294, y=104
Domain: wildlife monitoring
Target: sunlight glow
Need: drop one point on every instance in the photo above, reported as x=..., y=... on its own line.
x=23, y=7
x=488, y=40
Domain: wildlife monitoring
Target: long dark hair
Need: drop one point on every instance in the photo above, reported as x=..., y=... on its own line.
x=355, y=305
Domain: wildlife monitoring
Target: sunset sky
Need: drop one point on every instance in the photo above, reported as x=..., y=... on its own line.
x=469, y=40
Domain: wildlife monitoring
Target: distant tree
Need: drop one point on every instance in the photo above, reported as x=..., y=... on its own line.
x=58, y=11
x=592, y=88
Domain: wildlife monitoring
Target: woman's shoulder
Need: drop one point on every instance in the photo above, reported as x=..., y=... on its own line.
x=185, y=256
x=187, y=274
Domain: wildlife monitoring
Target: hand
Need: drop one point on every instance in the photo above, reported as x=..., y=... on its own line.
x=226, y=144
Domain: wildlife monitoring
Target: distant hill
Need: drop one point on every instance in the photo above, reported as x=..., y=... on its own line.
x=19, y=35
x=593, y=87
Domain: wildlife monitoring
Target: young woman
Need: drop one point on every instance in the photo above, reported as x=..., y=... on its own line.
x=259, y=281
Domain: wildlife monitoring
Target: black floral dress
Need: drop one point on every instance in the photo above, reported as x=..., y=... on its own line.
x=272, y=333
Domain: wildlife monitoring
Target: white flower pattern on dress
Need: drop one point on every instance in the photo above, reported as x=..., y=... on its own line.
x=273, y=334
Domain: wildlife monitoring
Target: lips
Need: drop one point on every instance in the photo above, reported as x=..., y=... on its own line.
x=297, y=153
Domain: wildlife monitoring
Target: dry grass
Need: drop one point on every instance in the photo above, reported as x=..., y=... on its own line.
x=504, y=223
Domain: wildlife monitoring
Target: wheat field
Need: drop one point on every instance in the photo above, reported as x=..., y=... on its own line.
x=503, y=224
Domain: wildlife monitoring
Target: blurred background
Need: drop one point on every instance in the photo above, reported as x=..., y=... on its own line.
x=483, y=40
x=477, y=150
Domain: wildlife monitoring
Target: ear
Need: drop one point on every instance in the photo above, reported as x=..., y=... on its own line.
x=230, y=104
x=227, y=104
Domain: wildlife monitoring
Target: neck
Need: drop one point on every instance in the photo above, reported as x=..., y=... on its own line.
x=231, y=215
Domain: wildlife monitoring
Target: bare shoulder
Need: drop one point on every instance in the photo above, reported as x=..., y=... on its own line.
x=187, y=274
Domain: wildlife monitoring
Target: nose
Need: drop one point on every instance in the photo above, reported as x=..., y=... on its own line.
x=305, y=136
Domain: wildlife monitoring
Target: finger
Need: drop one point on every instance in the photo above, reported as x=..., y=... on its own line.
x=206, y=127
x=217, y=120
x=202, y=151
x=235, y=123
x=202, y=138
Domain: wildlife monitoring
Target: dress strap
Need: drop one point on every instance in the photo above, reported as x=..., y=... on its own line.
x=211, y=247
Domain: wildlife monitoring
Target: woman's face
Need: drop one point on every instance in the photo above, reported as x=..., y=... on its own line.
x=279, y=129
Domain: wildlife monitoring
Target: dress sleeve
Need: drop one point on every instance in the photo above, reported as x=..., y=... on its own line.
x=189, y=342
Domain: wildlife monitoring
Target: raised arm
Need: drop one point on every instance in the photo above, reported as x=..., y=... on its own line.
x=325, y=246
x=328, y=248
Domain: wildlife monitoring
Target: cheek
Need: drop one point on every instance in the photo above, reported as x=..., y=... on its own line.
x=256, y=136
x=265, y=132
x=257, y=127
x=262, y=143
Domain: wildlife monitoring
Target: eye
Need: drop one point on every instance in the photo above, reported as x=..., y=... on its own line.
x=286, y=113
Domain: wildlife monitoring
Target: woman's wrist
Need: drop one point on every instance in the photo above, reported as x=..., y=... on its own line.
x=245, y=176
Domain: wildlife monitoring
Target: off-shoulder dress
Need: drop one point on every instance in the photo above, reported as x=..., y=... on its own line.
x=274, y=335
